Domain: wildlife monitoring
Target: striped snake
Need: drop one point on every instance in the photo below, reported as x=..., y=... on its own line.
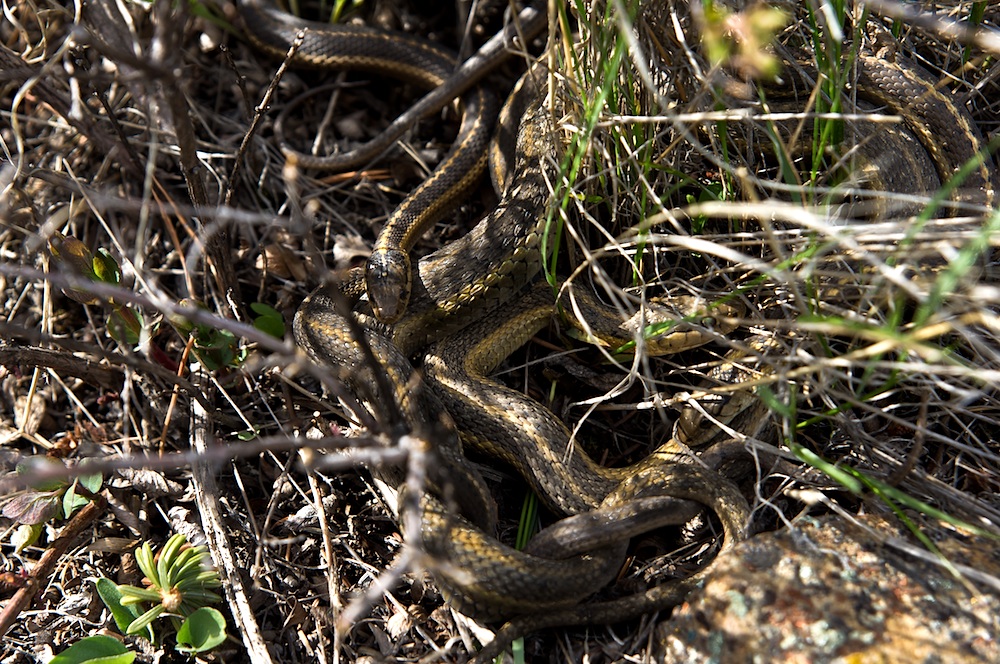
x=449, y=310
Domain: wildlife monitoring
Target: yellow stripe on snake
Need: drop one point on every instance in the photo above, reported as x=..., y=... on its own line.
x=453, y=307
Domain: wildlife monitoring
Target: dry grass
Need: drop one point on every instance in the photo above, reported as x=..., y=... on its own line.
x=125, y=135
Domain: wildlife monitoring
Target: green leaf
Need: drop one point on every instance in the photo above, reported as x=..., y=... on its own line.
x=201, y=598
x=191, y=569
x=92, y=483
x=165, y=569
x=40, y=465
x=272, y=326
x=142, y=622
x=216, y=348
x=203, y=630
x=97, y=649
x=144, y=559
x=72, y=501
x=262, y=309
x=133, y=595
x=112, y=598
x=75, y=257
x=106, y=268
x=71, y=253
x=183, y=325
x=268, y=320
x=25, y=536
x=125, y=326
x=834, y=472
x=208, y=338
x=203, y=577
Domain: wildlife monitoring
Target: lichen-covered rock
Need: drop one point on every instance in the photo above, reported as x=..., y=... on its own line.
x=831, y=591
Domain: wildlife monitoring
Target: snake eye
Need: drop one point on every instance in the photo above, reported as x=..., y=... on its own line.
x=708, y=321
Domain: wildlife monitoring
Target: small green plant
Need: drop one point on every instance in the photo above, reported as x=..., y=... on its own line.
x=45, y=500
x=125, y=324
x=269, y=320
x=178, y=584
x=215, y=348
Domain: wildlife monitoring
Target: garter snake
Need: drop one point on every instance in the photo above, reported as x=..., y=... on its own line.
x=464, y=282
x=461, y=280
x=410, y=59
x=936, y=142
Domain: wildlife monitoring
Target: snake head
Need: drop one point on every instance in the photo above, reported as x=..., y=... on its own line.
x=686, y=322
x=388, y=281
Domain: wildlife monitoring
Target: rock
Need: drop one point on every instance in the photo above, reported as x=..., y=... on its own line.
x=830, y=590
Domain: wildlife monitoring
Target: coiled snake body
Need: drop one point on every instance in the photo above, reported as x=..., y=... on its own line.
x=466, y=281
x=485, y=578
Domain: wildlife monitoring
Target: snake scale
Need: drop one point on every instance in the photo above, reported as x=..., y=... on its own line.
x=453, y=292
